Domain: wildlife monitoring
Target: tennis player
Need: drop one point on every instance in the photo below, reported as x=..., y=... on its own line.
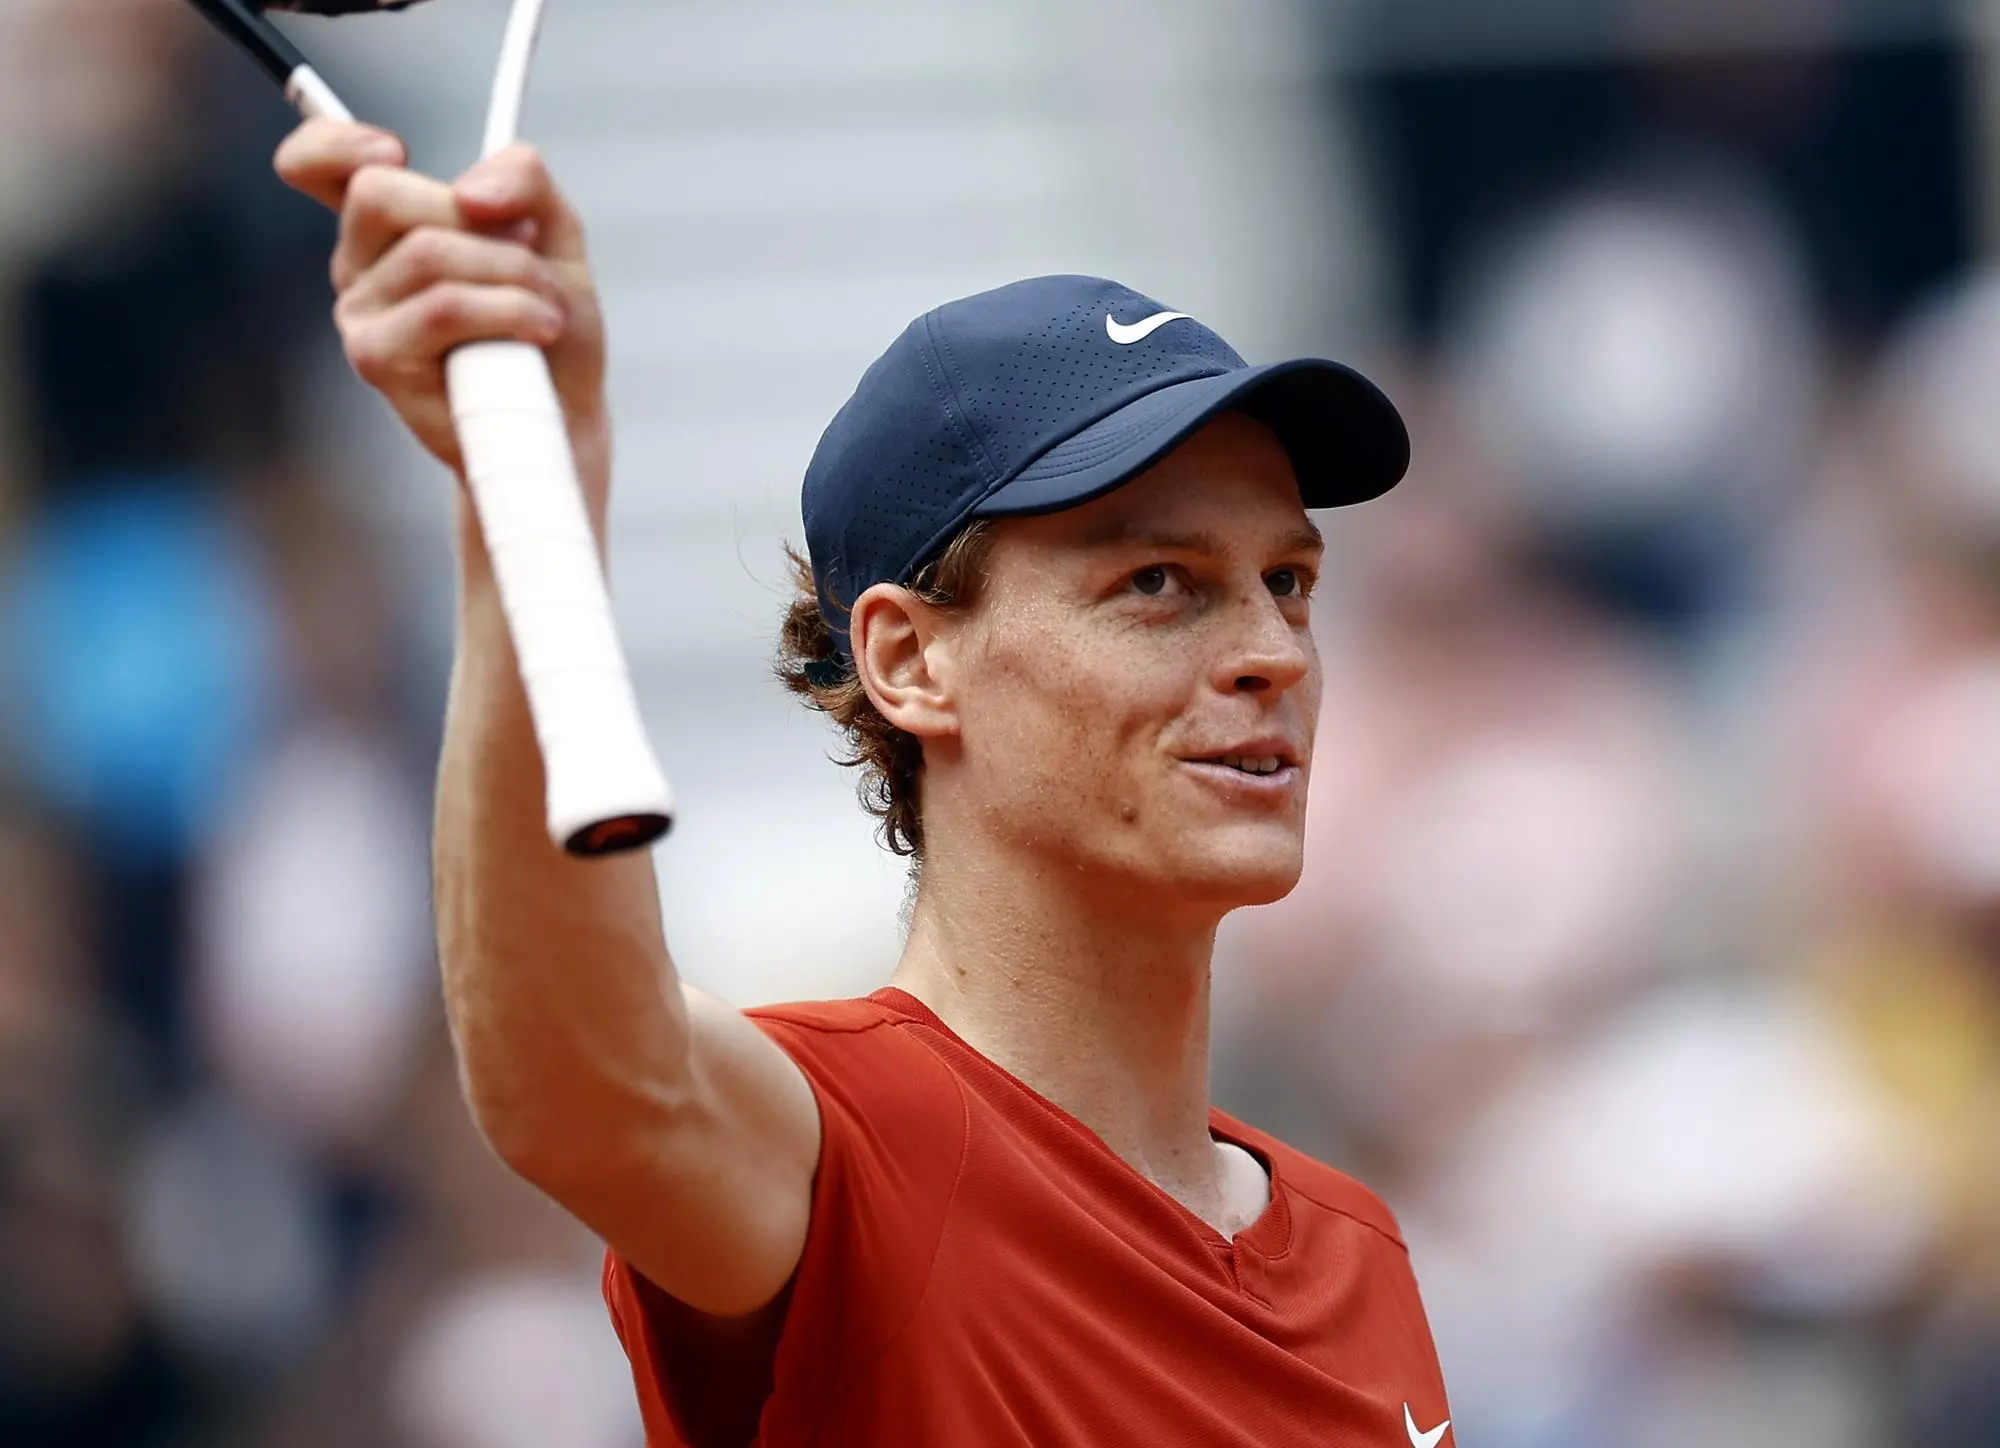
x=1058, y=602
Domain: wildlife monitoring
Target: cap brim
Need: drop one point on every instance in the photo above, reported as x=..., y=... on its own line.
x=1345, y=438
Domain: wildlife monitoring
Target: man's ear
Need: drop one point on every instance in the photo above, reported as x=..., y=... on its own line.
x=902, y=655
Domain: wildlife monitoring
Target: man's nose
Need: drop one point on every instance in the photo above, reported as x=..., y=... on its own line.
x=1269, y=654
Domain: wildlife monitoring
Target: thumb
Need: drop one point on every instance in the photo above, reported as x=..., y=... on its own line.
x=512, y=191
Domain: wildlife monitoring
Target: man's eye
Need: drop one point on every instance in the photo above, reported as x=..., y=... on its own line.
x=1150, y=581
x=1285, y=582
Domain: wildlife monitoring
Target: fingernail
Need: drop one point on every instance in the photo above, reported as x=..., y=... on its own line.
x=382, y=151
x=548, y=322
x=525, y=232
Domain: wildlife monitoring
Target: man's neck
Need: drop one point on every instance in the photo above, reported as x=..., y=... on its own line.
x=1097, y=1003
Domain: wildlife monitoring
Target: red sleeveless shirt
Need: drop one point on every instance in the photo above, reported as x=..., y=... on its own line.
x=981, y=1270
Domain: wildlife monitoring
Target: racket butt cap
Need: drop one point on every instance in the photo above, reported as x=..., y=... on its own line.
x=616, y=836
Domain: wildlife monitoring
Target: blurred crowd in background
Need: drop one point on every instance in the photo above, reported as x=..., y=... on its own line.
x=1648, y=955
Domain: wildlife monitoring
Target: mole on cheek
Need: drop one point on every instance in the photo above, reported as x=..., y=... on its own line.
x=1129, y=813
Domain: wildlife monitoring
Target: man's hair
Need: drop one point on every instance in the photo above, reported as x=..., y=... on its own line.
x=811, y=665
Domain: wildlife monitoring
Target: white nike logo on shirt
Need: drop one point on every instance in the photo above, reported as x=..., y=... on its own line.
x=1125, y=336
x=1423, y=1440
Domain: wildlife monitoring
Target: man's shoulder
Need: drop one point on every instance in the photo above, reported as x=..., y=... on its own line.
x=1323, y=1186
x=863, y=1052
x=829, y=1017
x=886, y=1022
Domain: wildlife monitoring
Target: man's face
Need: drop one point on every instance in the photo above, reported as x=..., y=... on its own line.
x=1135, y=667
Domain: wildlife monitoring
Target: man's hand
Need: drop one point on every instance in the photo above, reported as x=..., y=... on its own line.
x=423, y=266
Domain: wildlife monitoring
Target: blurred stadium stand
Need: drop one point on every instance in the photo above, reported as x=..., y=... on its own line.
x=1646, y=958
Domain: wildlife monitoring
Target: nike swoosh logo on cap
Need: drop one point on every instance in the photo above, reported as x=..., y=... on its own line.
x=1422, y=1440
x=1125, y=336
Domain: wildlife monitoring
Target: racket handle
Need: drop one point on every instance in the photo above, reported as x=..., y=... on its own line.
x=605, y=788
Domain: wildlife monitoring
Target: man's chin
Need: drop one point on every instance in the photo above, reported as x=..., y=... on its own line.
x=1263, y=888
x=1211, y=871
x=1239, y=873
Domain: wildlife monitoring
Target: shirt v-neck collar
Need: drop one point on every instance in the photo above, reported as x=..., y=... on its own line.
x=1269, y=1236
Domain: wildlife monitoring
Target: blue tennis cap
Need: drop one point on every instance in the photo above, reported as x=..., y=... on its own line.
x=1047, y=393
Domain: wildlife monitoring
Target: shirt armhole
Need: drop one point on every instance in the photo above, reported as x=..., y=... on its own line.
x=891, y=1152
x=709, y=1378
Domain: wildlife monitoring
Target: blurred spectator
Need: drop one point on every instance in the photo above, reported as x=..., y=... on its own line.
x=1648, y=953
x=1639, y=365
x=1897, y=698
x=81, y=1361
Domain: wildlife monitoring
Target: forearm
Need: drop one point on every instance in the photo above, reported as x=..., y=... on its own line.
x=562, y=998
x=664, y=1120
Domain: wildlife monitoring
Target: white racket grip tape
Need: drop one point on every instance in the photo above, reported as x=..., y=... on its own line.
x=605, y=787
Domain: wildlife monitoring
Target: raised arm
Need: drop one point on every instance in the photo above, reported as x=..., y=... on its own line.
x=660, y=1117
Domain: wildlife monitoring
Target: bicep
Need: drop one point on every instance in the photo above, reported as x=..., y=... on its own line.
x=710, y=1200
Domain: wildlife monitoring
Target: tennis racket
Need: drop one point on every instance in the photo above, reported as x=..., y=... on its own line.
x=606, y=792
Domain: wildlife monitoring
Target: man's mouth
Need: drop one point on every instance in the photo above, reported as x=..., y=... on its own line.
x=1259, y=757
x=1251, y=763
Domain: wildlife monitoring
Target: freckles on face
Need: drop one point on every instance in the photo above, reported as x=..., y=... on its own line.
x=1065, y=718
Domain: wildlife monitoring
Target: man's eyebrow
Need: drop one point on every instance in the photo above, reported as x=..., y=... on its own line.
x=1303, y=540
x=1205, y=544
x=1306, y=540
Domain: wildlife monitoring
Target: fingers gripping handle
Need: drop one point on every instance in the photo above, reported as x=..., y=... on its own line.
x=605, y=789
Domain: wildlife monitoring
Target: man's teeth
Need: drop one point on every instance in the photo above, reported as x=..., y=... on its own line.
x=1253, y=763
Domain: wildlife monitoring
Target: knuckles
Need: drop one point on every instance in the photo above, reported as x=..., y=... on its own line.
x=312, y=146
x=442, y=309
x=371, y=362
x=432, y=254
x=370, y=190
x=427, y=252
x=524, y=166
x=528, y=158
x=437, y=284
